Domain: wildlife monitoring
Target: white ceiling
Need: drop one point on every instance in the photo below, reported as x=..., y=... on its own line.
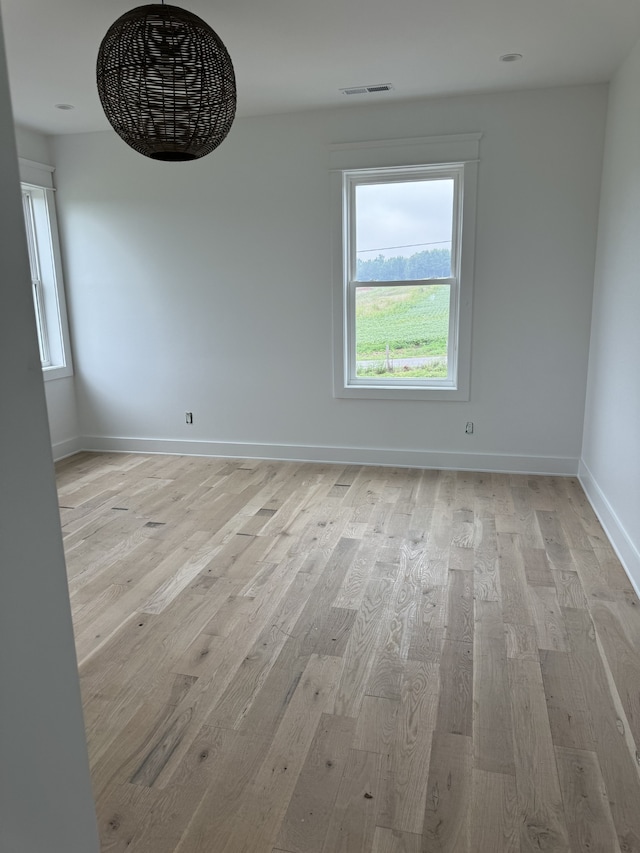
x=297, y=54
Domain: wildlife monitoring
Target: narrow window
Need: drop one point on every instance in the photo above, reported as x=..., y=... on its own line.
x=36, y=278
x=46, y=276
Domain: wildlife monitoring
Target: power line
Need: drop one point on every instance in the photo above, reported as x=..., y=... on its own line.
x=406, y=246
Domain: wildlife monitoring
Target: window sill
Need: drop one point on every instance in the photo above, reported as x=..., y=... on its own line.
x=372, y=392
x=56, y=372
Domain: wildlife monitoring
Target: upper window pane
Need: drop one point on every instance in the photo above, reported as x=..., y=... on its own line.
x=404, y=230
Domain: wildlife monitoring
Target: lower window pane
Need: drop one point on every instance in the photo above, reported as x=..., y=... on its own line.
x=402, y=332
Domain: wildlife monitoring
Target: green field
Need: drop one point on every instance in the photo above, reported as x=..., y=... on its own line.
x=402, y=322
x=430, y=371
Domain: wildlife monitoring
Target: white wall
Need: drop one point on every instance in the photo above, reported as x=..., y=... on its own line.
x=45, y=795
x=63, y=416
x=32, y=145
x=206, y=287
x=60, y=393
x=610, y=468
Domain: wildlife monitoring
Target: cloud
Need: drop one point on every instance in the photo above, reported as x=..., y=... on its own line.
x=403, y=218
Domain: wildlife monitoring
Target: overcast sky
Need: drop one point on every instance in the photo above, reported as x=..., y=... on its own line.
x=389, y=216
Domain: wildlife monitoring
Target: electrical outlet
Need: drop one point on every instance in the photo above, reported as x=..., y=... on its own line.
x=469, y=428
x=188, y=417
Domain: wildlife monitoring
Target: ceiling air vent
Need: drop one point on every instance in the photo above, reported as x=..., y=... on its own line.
x=367, y=90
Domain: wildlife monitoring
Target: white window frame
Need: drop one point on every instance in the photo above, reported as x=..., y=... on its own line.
x=386, y=162
x=46, y=269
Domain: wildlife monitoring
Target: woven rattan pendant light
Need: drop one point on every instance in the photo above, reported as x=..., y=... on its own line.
x=166, y=83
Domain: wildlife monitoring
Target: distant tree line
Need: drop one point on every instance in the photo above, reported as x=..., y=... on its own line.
x=432, y=263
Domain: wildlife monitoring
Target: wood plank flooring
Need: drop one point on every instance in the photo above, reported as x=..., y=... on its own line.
x=281, y=657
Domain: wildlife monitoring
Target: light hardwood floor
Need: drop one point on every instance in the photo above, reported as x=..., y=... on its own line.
x=308, y=658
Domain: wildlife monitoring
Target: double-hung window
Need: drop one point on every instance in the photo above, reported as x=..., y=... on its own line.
x=36, y=276
x=46, y=271
x=406, y=281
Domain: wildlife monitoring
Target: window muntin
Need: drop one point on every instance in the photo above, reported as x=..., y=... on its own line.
x=401, y=305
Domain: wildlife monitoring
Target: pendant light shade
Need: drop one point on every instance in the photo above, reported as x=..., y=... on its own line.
x=166, y=83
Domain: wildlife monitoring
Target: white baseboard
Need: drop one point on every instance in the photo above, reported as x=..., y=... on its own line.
x=494, y=462
x=66, y=448
x=624, y=546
